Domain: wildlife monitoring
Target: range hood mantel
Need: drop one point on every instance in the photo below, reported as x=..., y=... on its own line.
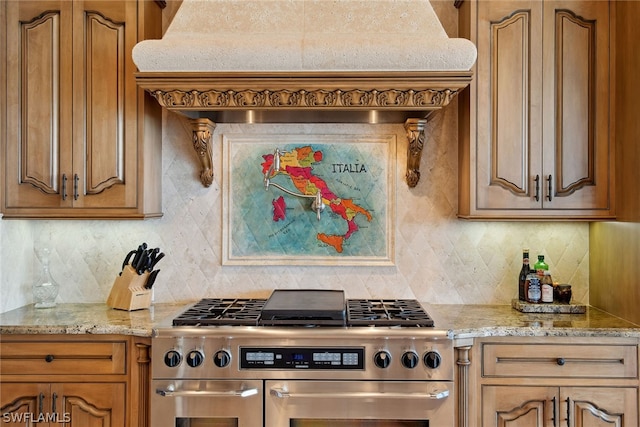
x=316, y=61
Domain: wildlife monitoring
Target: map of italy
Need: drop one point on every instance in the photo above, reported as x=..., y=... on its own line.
x=297, y=166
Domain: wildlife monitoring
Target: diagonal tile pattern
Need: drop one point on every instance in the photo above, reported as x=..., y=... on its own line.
x=439, y=258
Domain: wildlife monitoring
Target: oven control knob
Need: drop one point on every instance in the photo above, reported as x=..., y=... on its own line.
x=222, y=358
x=172, y=358
x=382, y=359
x=432, y=359
x=410, y=359
x=195, y=358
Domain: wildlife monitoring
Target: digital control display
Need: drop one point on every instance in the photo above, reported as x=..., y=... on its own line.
x=301, y=358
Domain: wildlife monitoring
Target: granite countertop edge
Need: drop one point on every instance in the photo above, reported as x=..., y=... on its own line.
x=462, y=321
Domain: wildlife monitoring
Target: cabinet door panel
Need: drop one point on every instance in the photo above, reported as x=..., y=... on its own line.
x=38, y=103
x=509, y=122
x=576, y=105
x=600, y=406
x=511, y=406
x=105, y=154
x=92, y=404
x=22, y=403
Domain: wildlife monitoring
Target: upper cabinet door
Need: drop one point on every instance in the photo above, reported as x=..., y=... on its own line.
x=39, y=103
x=509, y=121
x=577, y=95
x=104, y=125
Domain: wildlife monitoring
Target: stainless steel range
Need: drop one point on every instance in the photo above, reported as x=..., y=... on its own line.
x=302, y=358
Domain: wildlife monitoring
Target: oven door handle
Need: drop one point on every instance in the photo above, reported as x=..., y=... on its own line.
x=206, y=393
x=436, y=395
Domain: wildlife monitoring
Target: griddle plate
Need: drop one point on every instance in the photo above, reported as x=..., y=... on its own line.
x=304, y=307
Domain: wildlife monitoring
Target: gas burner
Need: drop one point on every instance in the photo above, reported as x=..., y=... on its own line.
x=312, y=310
x=222, y=311
x=403, y=312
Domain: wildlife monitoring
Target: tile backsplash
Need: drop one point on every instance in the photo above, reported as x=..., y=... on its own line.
x=439, y=258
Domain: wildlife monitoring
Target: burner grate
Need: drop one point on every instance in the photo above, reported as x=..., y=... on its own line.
x=222, y=311
x=402, y=312
x=248, y=312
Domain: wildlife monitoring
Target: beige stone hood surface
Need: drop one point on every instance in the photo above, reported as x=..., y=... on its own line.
x=305, y=35
x=306, y=61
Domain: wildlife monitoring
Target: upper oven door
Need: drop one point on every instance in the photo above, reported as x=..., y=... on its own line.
x=206, y=403
x=349, y=403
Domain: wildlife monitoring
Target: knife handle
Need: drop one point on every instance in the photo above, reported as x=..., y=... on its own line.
x=138, y=255
x=151, y=279
x=126, y=260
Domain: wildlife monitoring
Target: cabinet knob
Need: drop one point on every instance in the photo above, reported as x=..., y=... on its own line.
x=560, y=361
x=48, y=358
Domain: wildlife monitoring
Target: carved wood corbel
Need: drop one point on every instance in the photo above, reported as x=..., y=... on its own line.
x=416, y=137
x=202, y=138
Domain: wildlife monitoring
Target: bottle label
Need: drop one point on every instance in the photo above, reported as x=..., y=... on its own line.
x=534, y=293
x=547, y=293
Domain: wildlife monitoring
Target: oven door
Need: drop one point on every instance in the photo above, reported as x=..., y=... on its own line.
x=359, y=403
x=210, y=403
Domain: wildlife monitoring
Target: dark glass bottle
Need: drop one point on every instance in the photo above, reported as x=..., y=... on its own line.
x=522, y=277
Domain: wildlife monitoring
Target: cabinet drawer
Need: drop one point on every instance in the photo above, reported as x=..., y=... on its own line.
x=62, y=358
x=558, y=360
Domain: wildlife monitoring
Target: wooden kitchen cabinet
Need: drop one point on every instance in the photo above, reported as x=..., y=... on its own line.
x=535, y=124
x=78, y=405
x=532, y=406
x=82, y=140
x=102, y=381
x=545, y=382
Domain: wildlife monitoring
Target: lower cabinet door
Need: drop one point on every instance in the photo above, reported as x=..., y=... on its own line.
x=22, y=404
x=599, y=406
x=90, y=404
x=538, y=406
x=56, y=404
x=518, y=406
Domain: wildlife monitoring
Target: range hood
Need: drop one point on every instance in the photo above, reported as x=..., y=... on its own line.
x=314, y=61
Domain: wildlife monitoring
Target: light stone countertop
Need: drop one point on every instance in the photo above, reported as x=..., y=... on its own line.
x=463, y=321
x=93, y=318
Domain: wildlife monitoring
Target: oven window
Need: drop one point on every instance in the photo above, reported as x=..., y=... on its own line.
x=356, y=423
x=206, y=422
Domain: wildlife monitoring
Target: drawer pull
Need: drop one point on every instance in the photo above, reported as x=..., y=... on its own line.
x=48, y=358
x=560, y=361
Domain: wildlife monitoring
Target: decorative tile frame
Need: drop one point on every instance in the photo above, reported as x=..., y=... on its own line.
x=273, y=225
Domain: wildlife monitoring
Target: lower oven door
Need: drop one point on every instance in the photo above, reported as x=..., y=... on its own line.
x=200, y=403
x=359, y=403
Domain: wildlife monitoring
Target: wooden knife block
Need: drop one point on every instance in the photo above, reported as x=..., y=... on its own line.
x=128, y=291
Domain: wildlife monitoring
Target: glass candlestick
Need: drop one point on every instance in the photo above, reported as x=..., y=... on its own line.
x=45, y=289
